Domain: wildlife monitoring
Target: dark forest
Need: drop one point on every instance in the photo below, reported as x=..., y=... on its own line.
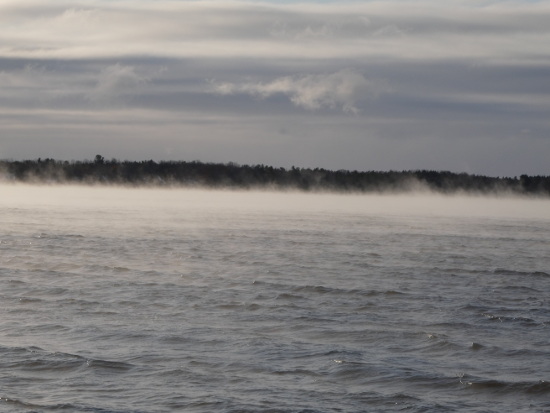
x=231, y=175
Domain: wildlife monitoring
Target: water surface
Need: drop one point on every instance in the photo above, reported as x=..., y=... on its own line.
x=152, y=300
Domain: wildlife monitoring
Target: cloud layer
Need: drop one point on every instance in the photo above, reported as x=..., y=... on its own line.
x=459, y=85
x=184, y=29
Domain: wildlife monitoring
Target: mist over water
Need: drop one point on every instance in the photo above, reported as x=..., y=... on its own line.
x=156, y=300
x=163, y=200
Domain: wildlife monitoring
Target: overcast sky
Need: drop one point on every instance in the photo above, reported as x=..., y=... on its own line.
x=366, y=85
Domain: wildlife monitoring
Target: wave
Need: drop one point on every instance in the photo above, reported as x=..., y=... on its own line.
x=507, y=315
x=496, y=271
x=38, y=360
x=33, y=407
x=502, y=319
x=16, y=405
x=499, y=352
x=503, y=271
x=57, y=236
x=298, y=292
x=436, y=343
x=319, y=289
x=532, y=388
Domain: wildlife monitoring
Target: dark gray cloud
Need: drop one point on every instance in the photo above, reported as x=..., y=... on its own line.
x=359, y=85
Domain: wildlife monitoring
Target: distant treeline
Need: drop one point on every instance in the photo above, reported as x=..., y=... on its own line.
x=231, y=175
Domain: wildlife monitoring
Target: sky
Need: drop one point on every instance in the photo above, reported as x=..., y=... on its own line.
x=359, y=85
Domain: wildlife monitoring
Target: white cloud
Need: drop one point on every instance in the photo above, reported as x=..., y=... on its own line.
x=314, y=91
x=116, y=82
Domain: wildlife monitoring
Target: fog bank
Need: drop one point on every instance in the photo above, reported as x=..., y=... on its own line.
x=156, y=202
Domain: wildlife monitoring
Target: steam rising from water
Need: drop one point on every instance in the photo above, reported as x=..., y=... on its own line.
x=163, y=201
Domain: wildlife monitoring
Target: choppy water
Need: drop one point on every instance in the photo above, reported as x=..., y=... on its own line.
x=147, y=300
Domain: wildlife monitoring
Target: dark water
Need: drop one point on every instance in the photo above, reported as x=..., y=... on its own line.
x=152, y=301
